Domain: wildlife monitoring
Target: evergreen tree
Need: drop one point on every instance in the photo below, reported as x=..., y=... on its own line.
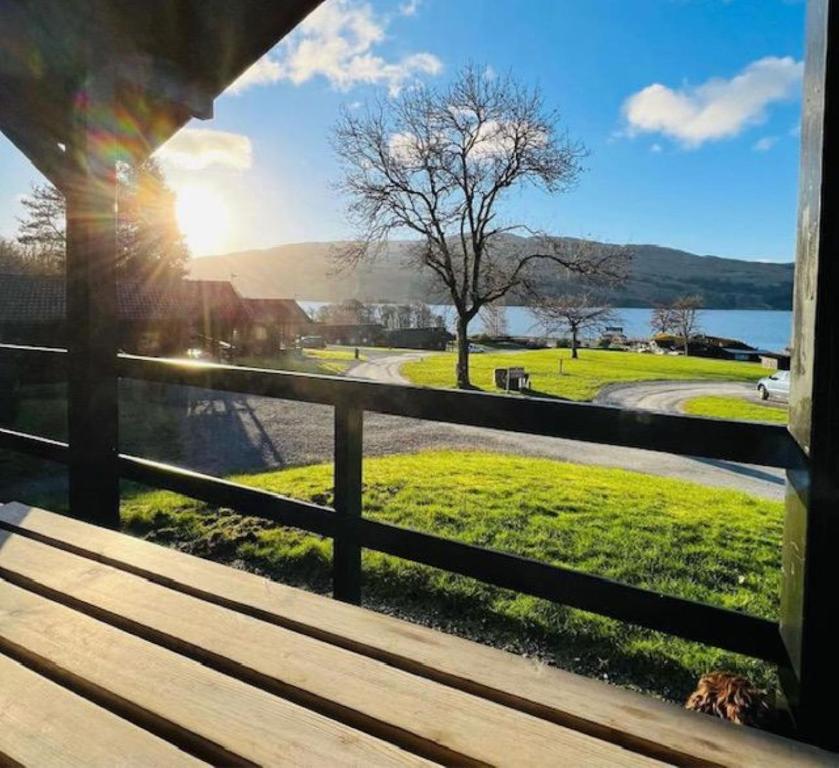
x=150, y=245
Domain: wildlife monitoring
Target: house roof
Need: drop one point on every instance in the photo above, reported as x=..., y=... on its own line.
x=218, y=297
x=271, y=311
x=38, y=300
x=168, y=60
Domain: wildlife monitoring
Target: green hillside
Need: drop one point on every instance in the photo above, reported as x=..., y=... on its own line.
x=308, y=271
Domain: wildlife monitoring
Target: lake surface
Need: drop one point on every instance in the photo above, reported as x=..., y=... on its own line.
x=760, y=328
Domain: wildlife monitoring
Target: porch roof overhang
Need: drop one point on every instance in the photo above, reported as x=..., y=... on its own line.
x=167, y=59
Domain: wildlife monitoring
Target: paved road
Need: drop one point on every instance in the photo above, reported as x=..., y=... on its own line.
x=385, y=367
x=669, y=396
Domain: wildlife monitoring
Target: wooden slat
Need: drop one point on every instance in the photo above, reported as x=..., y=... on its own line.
x=45, y=725
x=360, y=691
x=220, y=718
x=39, y=447
x=604, y=711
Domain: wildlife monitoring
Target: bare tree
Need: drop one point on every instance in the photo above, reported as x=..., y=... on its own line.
x=439, y=165
x=573, y=314
x=680, y=317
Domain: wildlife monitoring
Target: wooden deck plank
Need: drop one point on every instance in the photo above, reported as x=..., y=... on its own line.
x=142, y=681
x=360, y=691
x=45, y=725
x=606, y=711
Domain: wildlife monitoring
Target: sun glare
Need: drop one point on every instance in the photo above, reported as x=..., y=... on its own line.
x=204, y=218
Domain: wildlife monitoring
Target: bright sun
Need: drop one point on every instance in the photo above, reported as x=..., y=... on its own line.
x=204, y=218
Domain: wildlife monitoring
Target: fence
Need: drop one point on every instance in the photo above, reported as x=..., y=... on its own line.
x=750, y=443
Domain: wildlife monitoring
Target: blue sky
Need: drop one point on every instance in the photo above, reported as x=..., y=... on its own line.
x=689, y=108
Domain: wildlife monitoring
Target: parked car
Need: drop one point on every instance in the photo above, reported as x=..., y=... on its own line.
x=474, y=348
x=776, y=385
x=312, y=342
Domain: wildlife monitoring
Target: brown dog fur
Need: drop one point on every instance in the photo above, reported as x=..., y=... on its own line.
x=730, y=697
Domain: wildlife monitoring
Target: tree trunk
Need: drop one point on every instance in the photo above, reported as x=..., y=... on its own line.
x=463, y=353
x=574, y=343
x=687, y=341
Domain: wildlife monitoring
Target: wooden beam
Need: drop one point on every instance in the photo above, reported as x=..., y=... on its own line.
x=48, y=159
x=91, y=320
x=811, y=530
x=346, y=548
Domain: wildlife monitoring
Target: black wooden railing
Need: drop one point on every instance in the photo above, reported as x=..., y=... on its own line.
x=750, y=443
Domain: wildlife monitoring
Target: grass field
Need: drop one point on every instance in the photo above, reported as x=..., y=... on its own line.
x=735, y=408
x=583, y=378
x=717, y=546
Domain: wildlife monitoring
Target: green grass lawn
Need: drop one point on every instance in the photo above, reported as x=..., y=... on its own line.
x=718, y=546
x=735, y=408
x=583, y=378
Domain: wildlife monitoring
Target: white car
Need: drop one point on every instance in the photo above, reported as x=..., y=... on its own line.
x=473, y=348
x=776, y=385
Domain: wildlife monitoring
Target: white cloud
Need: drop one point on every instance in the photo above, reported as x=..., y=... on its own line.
x=409, y=7
x=765, y=144
x=716, y=109
x=194, y=149
x=337, y=41
x=656, y=148
x=263, y=72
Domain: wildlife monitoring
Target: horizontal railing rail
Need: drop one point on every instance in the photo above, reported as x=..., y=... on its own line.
x=744, y=442
x=351, y=532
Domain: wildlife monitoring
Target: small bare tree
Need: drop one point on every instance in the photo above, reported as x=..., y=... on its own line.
x=680, y=317
x=574, y=314
x=439, y=165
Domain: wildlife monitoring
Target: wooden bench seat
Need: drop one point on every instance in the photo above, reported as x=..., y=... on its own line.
x=228, y=665
x=46, y=725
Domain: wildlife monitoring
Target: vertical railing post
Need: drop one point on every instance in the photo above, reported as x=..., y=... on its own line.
x=91, y=310
x=809, y=605
x=346, y=550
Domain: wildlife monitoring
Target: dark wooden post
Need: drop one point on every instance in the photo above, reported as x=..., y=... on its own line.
x=810, y=591
x=346, y=548
x=92, y=310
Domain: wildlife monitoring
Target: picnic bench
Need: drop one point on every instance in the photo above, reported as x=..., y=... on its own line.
x=512, y=379
x=117, y=651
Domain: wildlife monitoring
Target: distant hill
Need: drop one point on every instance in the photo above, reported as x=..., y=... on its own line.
x=307, y=271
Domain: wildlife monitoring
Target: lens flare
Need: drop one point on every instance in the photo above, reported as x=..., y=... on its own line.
x=204, y=219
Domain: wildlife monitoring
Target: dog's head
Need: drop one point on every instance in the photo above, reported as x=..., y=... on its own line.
x=730, y=697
